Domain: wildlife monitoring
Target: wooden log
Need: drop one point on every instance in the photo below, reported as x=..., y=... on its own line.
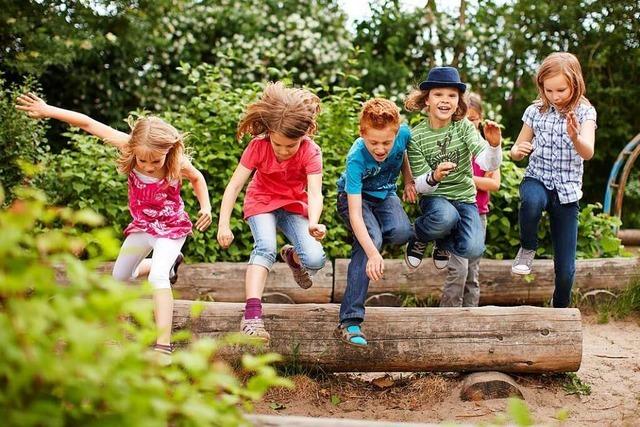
x=497, y=284
x=489, y=385
x=287, y=421
x=507, y=339
x=629, y=237
x=224, y=281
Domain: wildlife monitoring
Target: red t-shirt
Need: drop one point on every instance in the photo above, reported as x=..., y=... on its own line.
x=279, y=184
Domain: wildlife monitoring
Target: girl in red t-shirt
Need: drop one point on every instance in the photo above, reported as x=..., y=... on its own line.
x=286, y=163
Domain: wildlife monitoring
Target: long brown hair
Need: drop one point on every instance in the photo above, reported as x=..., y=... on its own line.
x=568, y=65
x=289, y=111
x=416, y=101
x=158, y=136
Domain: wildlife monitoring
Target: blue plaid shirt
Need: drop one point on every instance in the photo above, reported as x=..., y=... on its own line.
x=554, y=161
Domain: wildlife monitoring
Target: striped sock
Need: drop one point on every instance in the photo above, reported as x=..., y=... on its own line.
x=253, y=308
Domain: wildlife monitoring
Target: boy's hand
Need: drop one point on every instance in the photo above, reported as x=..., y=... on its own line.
x=318, y=231
x=33, y=105
x=204, y=219
x=225, y=237
x=573, y=126
x=410, y=194
x=375, y=267
x=492, y=133
x=522, y=149
x=443, y=170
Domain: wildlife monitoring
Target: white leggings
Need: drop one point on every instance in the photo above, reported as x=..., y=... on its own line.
x=137, y=246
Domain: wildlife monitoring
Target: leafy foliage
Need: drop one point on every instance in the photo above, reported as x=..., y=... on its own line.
x=22, y=141
x=69, y=356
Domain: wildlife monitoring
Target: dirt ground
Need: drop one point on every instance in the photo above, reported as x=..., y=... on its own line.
x=610, y=366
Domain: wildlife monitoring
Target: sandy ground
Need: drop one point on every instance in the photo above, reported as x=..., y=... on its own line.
x=610, y=366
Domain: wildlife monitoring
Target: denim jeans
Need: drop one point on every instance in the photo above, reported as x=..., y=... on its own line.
x=454, y=225
x=462, y=285
x=386, y=222
x=296, y=228
x=563, y=218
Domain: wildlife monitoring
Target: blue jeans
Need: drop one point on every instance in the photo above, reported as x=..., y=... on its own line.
x=563, y=218
x=296, y=228
x=386, y=222
x=454, y=225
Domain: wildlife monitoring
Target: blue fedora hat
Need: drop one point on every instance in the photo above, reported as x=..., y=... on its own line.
x=443, y=77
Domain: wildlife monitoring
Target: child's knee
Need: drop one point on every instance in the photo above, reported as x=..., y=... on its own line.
x=400, y=235
x=313, y=261
x=159, y=279
x=264, y=253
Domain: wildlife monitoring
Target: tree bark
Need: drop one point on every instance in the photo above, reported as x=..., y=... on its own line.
x=506, y=339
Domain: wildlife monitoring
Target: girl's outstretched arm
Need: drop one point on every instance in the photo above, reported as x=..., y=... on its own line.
x=36, y=108
x=314, y=191
x=202, y=194
x=238, y=179
x=489, y=182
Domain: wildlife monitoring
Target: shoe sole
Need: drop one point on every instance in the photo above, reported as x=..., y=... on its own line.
x=520, y=272
x=284, y=258
x=406, y=260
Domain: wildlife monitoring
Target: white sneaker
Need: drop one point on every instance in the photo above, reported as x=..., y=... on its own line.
x=522, y=263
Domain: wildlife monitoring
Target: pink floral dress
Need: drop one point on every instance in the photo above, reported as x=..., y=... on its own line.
x=157, y=208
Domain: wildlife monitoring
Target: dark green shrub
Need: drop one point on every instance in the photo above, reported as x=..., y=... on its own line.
x=22, y=140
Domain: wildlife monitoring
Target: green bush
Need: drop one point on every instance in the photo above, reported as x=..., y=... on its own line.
x=22, y=140
x=69, y=357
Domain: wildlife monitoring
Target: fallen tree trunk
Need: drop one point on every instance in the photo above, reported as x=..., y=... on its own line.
x=497, y=284
x=506, y=339
x=288, y=421
x=224, y=281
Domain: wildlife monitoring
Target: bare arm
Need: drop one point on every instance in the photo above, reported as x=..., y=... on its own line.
x=523, y=146
x=202, y=194
x=314, y=192
x=409, y=194
x=489, y=182
x=236, y=183
x=36, y=108
x=583, y=137
x=375, y=263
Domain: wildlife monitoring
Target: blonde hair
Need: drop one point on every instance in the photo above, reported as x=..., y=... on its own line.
x=289, y=111
x=379, y=113
x=156, y=135
x=416, y=101
x=568, y=65
x=474, y=101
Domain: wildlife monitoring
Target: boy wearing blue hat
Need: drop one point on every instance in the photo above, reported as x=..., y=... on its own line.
x=440, y=155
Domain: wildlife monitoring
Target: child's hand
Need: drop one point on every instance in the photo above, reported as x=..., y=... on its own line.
x=573, y=126
x=521, y=150
x=225, y=237
x=204, y=219
x=375, y=267
x=318, y=231
x=443, y=170
x=410, y=194
x=33, y=105
x=492, y=133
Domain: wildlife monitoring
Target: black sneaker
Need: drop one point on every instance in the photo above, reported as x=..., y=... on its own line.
x=173, y=273
x=414, y=252
x=440, y=257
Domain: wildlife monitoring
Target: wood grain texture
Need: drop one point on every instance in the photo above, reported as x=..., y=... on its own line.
x=506, y=339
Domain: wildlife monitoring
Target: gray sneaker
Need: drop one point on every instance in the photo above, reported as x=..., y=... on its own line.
x=254, y=328
x=522, y=263
x=300, y=275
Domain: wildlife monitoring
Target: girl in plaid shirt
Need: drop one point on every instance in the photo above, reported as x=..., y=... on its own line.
x=558, y=134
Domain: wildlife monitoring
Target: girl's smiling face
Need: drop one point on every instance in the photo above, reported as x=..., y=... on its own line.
x=557, y=90
x=442, y=103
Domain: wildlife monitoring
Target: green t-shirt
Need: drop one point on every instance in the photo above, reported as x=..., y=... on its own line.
x=457, y=142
